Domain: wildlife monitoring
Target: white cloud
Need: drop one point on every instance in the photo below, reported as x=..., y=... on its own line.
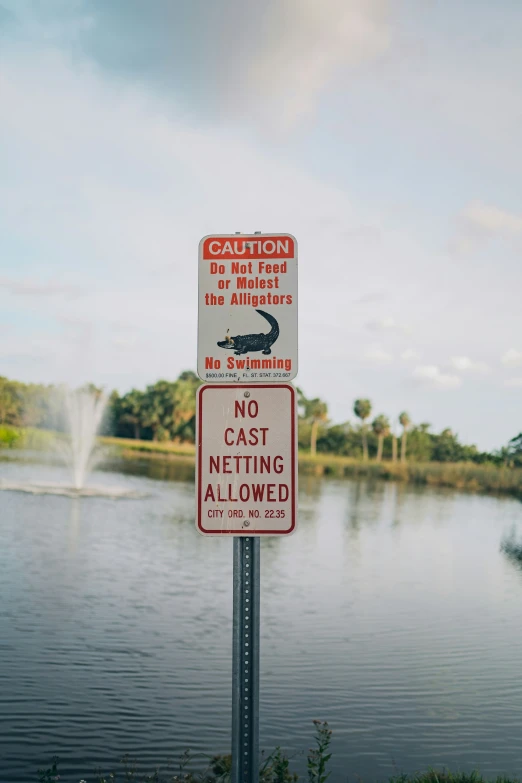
x=32, y=287
x=306, y=44
x=115, y=192
x=409, y=355
x=479, y=221
x=266, y=61
x=513, y=382
x=114, y=186
x=464, y=363
x=432, y=374
x=492, y=219
x=512, y=358
x=124, y=341
x=378, y=355
x=386, y=324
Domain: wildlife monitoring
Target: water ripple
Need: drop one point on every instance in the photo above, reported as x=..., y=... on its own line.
x=115, y=630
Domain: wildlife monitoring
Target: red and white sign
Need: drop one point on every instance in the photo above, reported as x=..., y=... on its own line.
x=246, y=466
x=247, y=324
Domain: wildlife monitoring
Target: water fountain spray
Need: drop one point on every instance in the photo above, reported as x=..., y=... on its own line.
x=85, y=411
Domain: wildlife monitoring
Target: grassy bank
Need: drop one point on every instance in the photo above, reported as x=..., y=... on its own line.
x=274, y=768
x=467, y=476
x=131, y=447
x=459, y=475
x=25, y=438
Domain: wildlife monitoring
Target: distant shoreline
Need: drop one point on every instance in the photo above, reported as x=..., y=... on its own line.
x=465, y=476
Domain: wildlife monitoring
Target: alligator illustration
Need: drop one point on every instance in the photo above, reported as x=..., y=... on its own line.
x=243, y=343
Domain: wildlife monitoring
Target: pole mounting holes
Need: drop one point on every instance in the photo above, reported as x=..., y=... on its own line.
x=245, y=740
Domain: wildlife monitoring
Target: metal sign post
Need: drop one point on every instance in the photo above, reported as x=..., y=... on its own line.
x=246, y=435
x=245, y=661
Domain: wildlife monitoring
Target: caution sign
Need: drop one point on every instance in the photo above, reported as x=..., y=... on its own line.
x=246, y=465
x=247, y=327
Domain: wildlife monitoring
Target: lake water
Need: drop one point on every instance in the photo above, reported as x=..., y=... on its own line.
x=391, y=613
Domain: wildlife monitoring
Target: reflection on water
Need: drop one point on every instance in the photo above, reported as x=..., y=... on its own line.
x=391, y=613
x=159, y=469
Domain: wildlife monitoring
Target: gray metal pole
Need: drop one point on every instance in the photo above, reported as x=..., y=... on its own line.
x=245, y=661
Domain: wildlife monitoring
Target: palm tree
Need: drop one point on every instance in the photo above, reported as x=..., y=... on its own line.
x=405, y=421
x=155, y=415
x=317, y=413
x=132, y=410
x=515, y=445
x=10, y=402
x=184, y=398
x=362, y=409
x=381, y=427
x=301, y=403
x=314, y=411
x=394, y=442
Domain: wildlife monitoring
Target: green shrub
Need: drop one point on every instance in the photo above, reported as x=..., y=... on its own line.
x=275, y=769
x=9, y=436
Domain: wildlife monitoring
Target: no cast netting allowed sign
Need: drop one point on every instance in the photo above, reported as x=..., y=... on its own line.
x=247, y=316
x=246, y=465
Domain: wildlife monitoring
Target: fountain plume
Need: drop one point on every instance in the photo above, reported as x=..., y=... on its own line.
x=84, y=409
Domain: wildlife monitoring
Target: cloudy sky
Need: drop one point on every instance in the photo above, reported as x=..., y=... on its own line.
x=384, y=134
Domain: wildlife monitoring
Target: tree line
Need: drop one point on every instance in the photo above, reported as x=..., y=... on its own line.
x=166, y=411
x=376, y=439
x=163, y=411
